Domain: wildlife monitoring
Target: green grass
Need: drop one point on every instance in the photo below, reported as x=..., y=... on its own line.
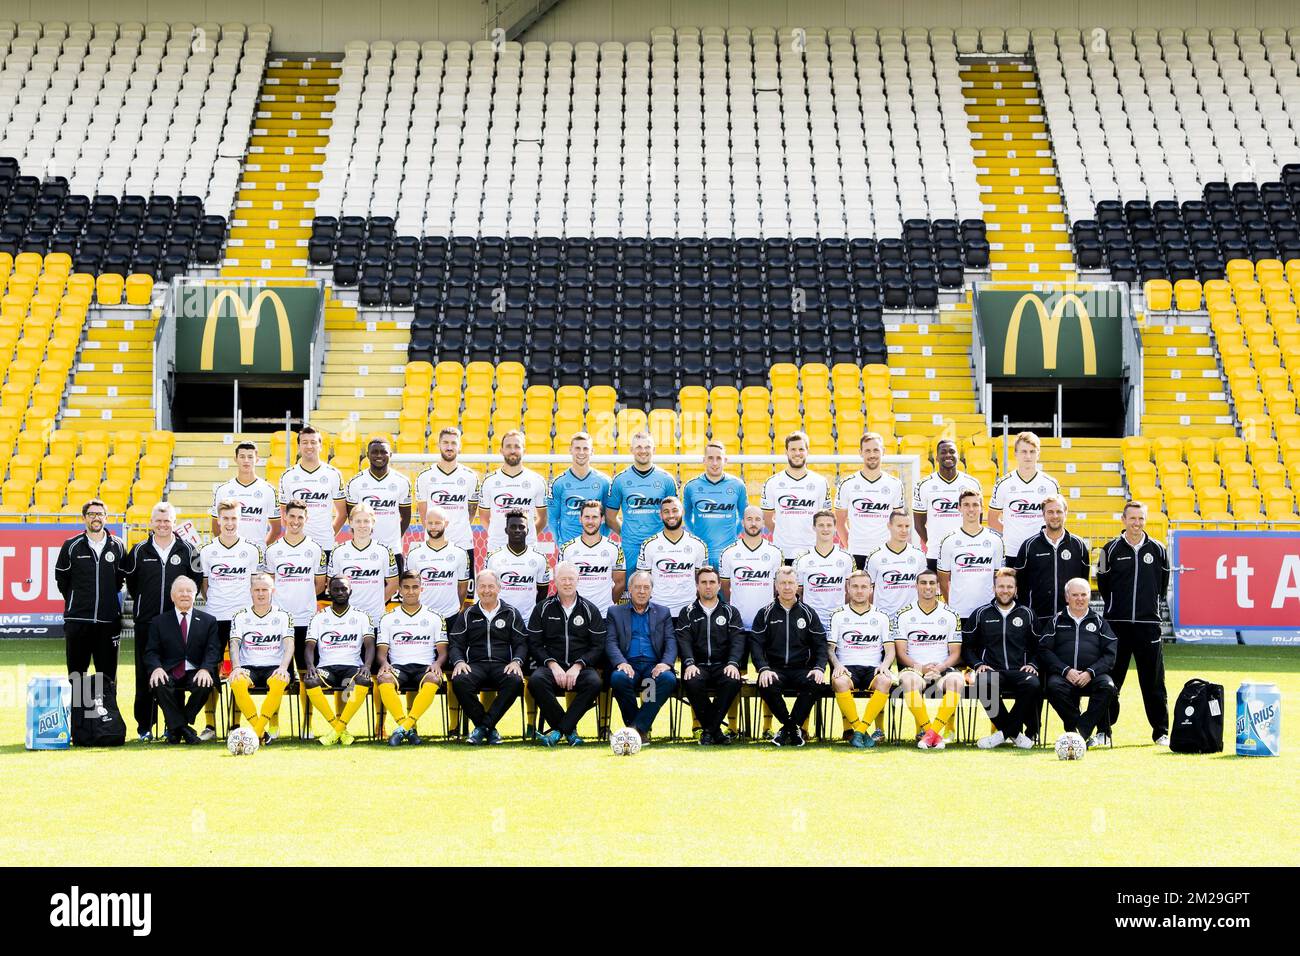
x=673, y=803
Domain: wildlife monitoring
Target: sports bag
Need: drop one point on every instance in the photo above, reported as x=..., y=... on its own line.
x=1198, y=719
x=96, y=721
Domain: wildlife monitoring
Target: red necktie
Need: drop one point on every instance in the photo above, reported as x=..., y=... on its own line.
x=179, y=670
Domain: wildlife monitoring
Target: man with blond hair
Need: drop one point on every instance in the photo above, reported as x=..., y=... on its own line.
x=1047, y=560
x=512, y=487
x=1016, y=506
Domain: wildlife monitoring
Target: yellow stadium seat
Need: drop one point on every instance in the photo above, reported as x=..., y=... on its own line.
x=449, y=373
x=1136, y=446
x=1286, y=427
x=108, y=289
x=814, y=378
x=1278, y=503
x=29, y=263
x=1198, y=448
x=47, y=495
x=601, y=398
x=1268, y=270
x=539, y=398
x=1205, y=474
x=1212, y=501
x=1249, y=403
x=139, y=289
x=783, y=374
x=1245, y=500
x=1159, y=295
x=1180, y=502
x=693, y=399
x=1231, y=449
x=662, y=423
x=1270, y=474
x=16, y=495
x=419, y=372
x=1187, y=293
x=1217, y=293
x=1280, y=400
x=1166, y=448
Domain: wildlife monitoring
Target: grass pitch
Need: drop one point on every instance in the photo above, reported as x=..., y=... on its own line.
x=671, y=804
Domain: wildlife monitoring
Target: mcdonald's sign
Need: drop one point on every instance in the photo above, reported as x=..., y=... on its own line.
x=1052, y=333
x=243, y=329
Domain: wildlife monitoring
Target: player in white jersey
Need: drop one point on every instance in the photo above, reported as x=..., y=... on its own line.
x=968, y=559
x=340, y=653
x=1016, y=506
x=261, y=652
x=298, y=564
x=259, y=518
x=368, y=565
x=451, y=486
x=927, y=639
x=319, y=486
x=748, y=568
x=412, y=651
x=672, y=556
x=512, y=487
x=861, y=654
x=934, y=502
x=893, y=567
x=865, y=500
x=442, y=566
x=791, y=498
x=601, y=574
x=823, y=570
x=524, y=574
x=228, y=563
x=388, y=494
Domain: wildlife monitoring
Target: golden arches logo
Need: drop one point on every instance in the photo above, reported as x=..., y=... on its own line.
x=247, y=320
x=1050, y=325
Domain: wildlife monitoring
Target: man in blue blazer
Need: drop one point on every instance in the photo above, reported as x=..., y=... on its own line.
x=642, y=647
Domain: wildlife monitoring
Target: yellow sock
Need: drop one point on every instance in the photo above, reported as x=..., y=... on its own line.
x=947, y=709
x=392, y=702
x=318, y=700
x=849, y=710
x=875, y=707
x=916, y=704
x=354, y=703
x=271, y=704
x=244, y=700
x=423, y=699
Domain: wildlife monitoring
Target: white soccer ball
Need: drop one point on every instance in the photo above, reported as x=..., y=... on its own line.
x=1070, y=746
x=625, y=742
x=242, y=742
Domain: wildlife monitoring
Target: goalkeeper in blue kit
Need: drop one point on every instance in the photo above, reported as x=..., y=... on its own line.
x=714, y=503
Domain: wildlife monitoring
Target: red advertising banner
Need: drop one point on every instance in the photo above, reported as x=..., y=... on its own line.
x=1243, y=580
x=30, y=602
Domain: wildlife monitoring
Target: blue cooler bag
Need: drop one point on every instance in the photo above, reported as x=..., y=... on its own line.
x=49, y=713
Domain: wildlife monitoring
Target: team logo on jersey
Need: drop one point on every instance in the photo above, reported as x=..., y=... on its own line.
x=333, y=638
x=924, y=637
x=1090, y=627
x=110, y=557
x=944, y=506
x=499, y=623
x=227, y=572
x=752, y=575
x=1022, y=506
x=434, y=575
x=287, y=569
x=513, y=579
x=250, y=511
x=577, y=621
x=853, y=636
x=258, y=639
x=410, y=637
x=973, y=561
x=378, y=504
x=588, y=569
x=715, y=507
x=822, y=580
x=507, y=501
x=174, y=559
x=444, y=498
x=1065, y=555
x=1146, y=558
x=801, y=624
x=1017, y=622
x=673, y=566
x=356, y=571
x=720, y=620
x=795, y=503
x=898, y=578
x=309, y=495
x=641, y=502
x=865, y=507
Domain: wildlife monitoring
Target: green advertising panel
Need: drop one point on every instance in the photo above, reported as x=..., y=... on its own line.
x=1046, y=332
x=232, y=328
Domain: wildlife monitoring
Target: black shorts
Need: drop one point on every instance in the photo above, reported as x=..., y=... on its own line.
x=401, y=562
x=860, y=561
x=223, y=632
x=469, y=555
x=300, y=647
x=932, y=564
x=260, y=675
x=861, y=674
x=409, y=676
x=335, y=676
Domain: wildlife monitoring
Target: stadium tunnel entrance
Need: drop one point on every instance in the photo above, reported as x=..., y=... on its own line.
x=244, y=404
x=1078, y=408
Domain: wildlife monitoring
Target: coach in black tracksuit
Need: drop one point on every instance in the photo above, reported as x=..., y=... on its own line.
x=151, y=566
x=788, y=645
x=566, y=638
x=711, y=640
x=1046, y=561
x=1004, y=644
x=88, y=573
x=1133, y=577
x=487, y=644
x=1077, y=655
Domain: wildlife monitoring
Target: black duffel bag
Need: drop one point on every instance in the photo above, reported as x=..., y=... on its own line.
x=96, y=721
x=1198, y=719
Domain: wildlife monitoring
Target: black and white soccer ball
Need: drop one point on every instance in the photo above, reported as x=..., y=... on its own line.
x=1070, y=746
x=625, y=742
x=242, y=742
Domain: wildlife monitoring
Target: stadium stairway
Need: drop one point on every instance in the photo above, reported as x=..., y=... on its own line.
x=201, y=460
x=361, y=388
x=112, y=382
x=272, y=219
x=1184, y=393
x=1027, y=230
x=930, y=364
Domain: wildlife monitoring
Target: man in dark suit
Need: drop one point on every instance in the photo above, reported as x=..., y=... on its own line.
x=182, y=656
x=642, y=647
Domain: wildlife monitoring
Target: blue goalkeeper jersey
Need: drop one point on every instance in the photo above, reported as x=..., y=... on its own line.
x=568, y=492
x=638, y=494
x=713, y=511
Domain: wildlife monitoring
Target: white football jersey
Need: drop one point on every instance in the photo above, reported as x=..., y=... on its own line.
x=970, y=560
x=295, y=567
x=441, y=572
x=795, y=501
x=752, y=573
x=257, y=506
x=859, y=639
x=261, y=639
x=868, y=505
x=937, y=499
x=520, y=576
x=453, y=493
x=385, y=496
x=367, y=568
x=927, y=635
x=1021, y=504
x=823, y=577
x=339, y=637
x=500, y=493
x=411, y=638
x=672, y=567
x=893, y=575
x=596, y=566
x=318, y=490
x=228, y=572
